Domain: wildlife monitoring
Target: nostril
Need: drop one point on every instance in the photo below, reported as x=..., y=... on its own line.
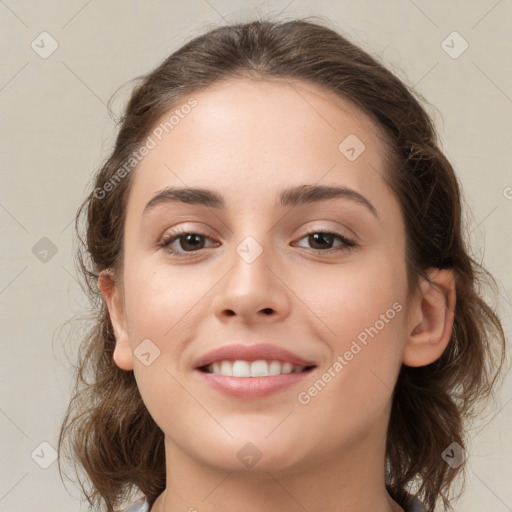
x=267, y=311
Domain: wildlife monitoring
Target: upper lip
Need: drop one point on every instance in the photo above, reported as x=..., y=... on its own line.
x=251, y=353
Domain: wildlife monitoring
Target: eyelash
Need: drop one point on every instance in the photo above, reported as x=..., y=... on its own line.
x=179, y=233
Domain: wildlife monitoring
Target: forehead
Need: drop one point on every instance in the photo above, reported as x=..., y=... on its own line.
x=243, y=135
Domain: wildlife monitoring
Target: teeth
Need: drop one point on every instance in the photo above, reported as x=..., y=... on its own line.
x=274, y=368
x=259, y=368
x=241, y=369
x=226, y=368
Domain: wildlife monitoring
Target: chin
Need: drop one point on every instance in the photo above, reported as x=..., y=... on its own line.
x=255, y=454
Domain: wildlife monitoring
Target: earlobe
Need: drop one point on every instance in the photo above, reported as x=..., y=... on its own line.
x=123, y=355
x=432, y=316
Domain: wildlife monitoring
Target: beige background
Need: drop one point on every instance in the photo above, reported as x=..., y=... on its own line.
x=55, y=131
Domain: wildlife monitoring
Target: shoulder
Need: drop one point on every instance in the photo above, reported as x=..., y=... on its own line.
x=409, y=502
x=139, y=505
x=142, y=505
x=414, y=505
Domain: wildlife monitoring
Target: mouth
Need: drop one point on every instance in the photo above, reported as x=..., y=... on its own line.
x=248, y=380
x=252, y=371
x=258, y=368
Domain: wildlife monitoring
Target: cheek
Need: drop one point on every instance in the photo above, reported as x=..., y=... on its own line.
x=160, y=299
x=352, y=298
x=352, y=395
x=366, y=317
x=160, y=314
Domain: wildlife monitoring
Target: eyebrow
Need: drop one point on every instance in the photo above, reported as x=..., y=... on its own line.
x=293, y=196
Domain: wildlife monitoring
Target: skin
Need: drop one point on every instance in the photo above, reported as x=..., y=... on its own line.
x=248, y=140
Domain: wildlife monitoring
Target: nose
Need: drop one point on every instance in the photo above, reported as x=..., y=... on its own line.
x=254, y=289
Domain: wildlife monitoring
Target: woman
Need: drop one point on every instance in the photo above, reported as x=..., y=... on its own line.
x=289, y=318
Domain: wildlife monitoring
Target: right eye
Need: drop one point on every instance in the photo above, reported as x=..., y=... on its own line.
x=188, y=241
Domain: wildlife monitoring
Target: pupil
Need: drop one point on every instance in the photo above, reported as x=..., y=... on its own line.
x=323, y=237
x=189, y=240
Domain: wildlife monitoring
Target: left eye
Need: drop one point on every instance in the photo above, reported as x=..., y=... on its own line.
x=324, y=240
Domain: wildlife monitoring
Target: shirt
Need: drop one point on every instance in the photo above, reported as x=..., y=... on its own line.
x=142, y=505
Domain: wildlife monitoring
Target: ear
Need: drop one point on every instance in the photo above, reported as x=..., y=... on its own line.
x=431, y=318
x=112, y=295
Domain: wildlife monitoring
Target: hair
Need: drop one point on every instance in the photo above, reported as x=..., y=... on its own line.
x=111, y=433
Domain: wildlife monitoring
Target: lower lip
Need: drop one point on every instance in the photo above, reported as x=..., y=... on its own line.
x=252, y=387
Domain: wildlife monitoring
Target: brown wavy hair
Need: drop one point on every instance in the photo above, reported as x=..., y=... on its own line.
x=110, y=433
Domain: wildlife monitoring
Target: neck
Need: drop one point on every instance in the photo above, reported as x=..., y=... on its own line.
x=349, y=479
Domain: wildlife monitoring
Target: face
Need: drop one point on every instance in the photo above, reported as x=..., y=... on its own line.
x=264, y=267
